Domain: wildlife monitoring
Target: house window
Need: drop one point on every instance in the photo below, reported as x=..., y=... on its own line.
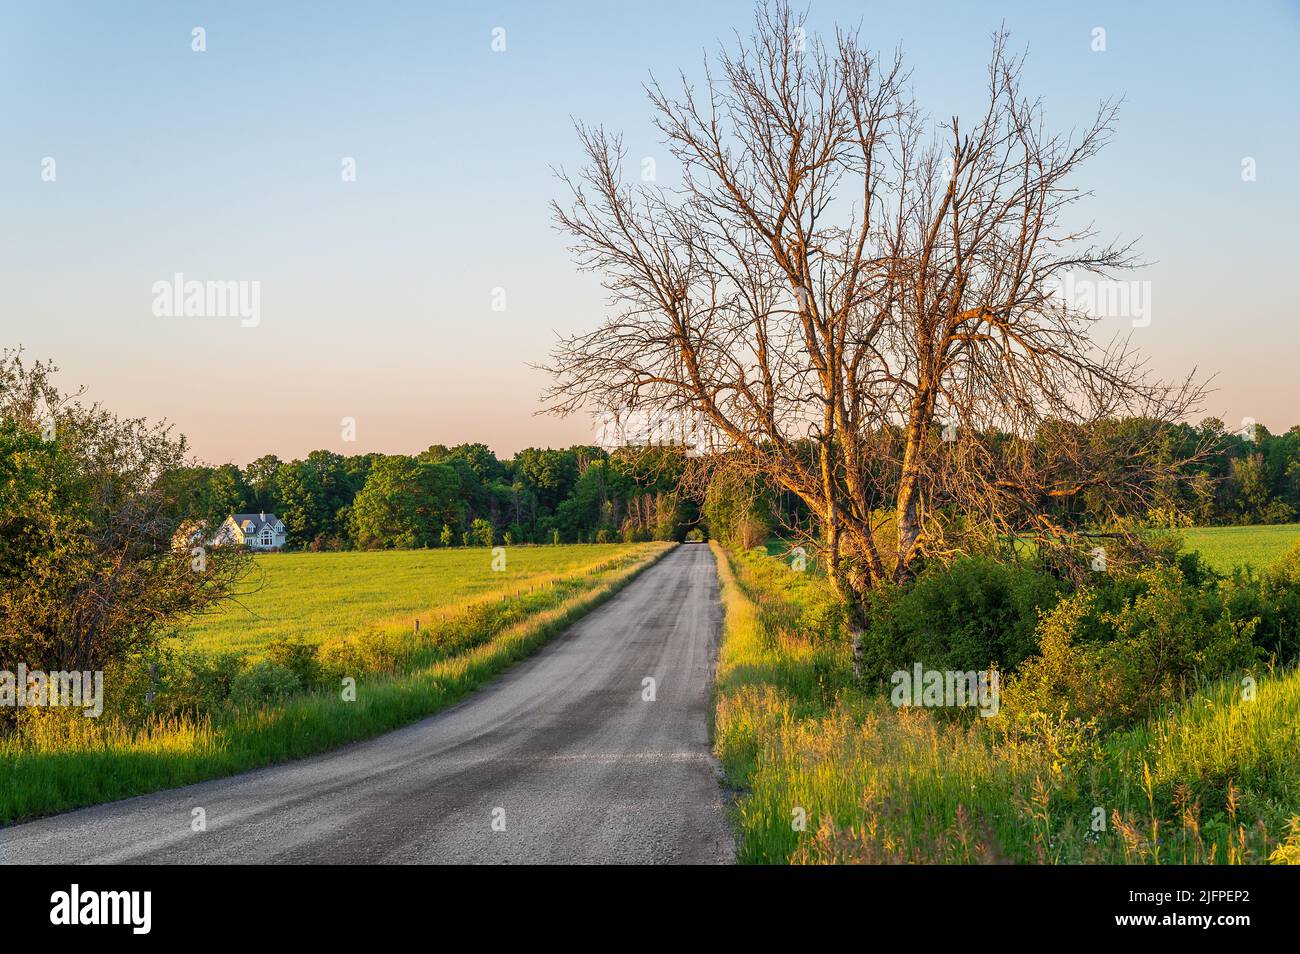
x=266, y=538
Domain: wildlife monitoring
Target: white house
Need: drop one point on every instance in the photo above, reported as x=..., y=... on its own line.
x=257, y=531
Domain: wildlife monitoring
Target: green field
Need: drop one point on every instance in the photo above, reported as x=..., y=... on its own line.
x=1258, y=546
x=1223, y=547
x=319, y=596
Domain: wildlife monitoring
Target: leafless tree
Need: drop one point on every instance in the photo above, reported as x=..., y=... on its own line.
x=860, y=304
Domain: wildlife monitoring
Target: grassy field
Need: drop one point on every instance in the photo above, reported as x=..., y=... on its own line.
x=1226, y=547
x=315, y=597
x=830, y=773
x=58, y=760
x=1223, y=547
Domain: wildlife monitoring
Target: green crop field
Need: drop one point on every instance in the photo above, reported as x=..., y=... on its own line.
x=1258, y=546
x=319, y=596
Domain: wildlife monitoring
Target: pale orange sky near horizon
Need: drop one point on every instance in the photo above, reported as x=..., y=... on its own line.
x=377, y=294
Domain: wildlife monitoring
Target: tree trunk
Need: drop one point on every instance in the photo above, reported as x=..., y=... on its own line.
x=831, y=527
x=909, y=522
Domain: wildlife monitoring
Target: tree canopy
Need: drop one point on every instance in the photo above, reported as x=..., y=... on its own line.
x=861, y=306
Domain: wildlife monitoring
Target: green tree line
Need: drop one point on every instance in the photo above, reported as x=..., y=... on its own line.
x=449, y=496
x=466, y=495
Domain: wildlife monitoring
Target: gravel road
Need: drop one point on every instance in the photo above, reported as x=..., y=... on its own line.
x=560, y=759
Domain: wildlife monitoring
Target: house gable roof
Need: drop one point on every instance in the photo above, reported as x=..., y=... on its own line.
x=254, y=522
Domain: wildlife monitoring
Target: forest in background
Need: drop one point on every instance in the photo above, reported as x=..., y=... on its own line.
x=466, y=495
x=450, y=496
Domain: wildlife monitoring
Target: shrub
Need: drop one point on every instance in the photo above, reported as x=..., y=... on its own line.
x=1151, y=651
x=262, y=683
x=369, y=651
x=1061, y=680
x=1279, y=627
x=1176, y=630
x=298, y=657
x=965, y=616
x=194, y=683
x=1195, y=568
x=339, y=658
x=168, y=683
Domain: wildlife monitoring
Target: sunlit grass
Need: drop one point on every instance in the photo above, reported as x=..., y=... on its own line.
x=829, y=773
x=314, y=597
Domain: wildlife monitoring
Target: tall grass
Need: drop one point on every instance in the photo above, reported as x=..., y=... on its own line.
x=828, y=772
x=61, y=760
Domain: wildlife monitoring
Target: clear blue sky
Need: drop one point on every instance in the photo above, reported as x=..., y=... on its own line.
x=376, y=294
